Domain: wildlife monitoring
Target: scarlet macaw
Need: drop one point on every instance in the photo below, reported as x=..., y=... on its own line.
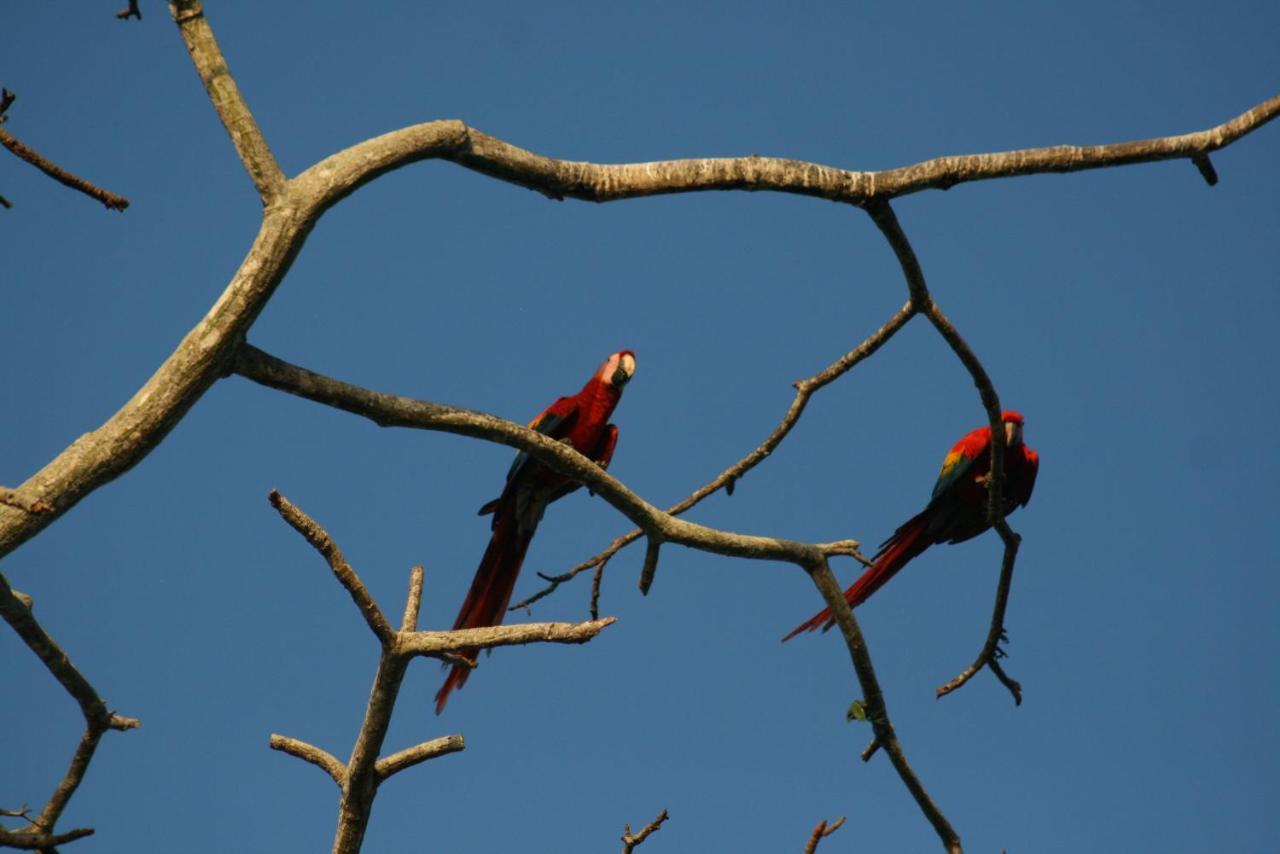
x=956, y=512
x=580, y=420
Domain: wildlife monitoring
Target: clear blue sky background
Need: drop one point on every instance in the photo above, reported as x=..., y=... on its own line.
x=1129, y=313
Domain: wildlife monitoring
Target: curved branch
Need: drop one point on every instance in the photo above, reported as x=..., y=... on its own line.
x=419, y=753
x=322, y=759
x=390, y=410
x=885, y=219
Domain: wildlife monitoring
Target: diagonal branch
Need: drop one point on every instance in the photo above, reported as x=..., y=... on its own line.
x=407, y=758
x=436, y=644
x=232, y=109
x=347, y=577
x=25, y=152
x=98, y=719
x=873, y=697
x=728, y=478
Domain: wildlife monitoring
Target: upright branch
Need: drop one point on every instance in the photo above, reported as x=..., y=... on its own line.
x=360, y=776
x=232, y=109
x=16, y=610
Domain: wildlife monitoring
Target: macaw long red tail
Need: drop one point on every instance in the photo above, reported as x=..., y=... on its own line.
x=490, y=593
x=906, y=543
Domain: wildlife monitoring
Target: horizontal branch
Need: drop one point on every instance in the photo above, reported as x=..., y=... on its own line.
x=435, y=643
x=27, y=841
x=419, y=753
x=598, y=182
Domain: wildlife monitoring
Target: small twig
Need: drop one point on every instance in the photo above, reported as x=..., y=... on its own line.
x=650, y=563
x=413, y=602
x=323, y=543
x=13, y=498
x=23, y=812
x=54, y=171
x=322, y=759
x=870, y=750
x=597, y=579
x=27, y=841
x=820, y=832
x=629, y=842
x=419, y=753
x=132, y=12
x=1205, y=166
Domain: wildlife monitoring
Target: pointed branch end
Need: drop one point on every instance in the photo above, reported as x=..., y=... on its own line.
x=650, y=563
x=1205, y=166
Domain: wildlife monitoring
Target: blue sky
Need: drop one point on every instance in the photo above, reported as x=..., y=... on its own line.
x=1128, y=313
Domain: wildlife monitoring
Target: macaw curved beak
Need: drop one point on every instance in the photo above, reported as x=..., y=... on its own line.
x=624, y=371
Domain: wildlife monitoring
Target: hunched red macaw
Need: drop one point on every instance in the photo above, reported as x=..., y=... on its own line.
x=956, y=512
x=582, y=421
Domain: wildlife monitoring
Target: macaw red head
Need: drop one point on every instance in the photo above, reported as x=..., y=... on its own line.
x=1012, y=428
x=618, y=369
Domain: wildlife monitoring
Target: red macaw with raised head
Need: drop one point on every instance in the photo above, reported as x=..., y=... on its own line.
x=956, y=512
x=581, y=420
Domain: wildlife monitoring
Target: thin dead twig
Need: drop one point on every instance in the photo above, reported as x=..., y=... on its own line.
x=53, y=170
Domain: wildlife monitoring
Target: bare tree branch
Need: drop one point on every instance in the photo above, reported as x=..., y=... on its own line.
x=728, y=478
x=873, y=697
x=413, y=602
x=411, y=756
x=26, y=840
x=883, y=216
x=53, y=170
x=820, y=832
x=232, y=109
x=131, y=12
x=390, y=410
x=320, y=540
x=629, y=842
x=98, y=719
x=322, y=759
